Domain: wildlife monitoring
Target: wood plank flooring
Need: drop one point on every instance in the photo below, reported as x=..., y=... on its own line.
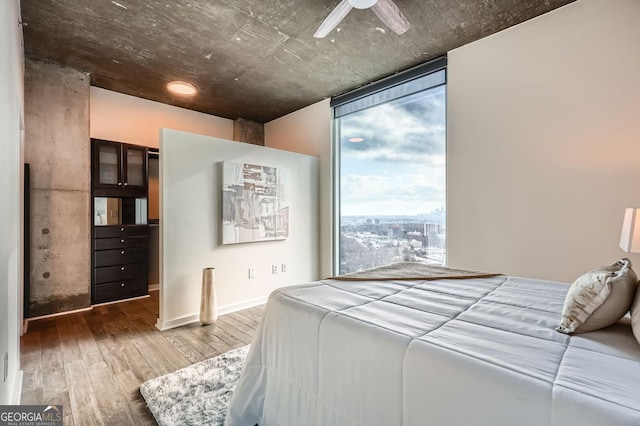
x=93, y=362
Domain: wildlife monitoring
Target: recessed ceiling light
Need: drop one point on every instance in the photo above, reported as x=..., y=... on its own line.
x=182, y=88
x=356, y=140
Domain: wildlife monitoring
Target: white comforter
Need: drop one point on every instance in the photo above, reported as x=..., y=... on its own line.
x=446, y=352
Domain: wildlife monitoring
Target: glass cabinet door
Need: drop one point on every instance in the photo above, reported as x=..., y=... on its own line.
x=108, y=164
x=118, y=169
x=136, y=169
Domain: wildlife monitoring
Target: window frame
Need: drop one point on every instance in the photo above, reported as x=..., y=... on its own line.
x=359, y=96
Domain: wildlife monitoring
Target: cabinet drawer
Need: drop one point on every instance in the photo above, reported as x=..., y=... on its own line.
x=116, y=290
x=120, y=231
x=122, y=256
x=116, y=243
x=106, y=274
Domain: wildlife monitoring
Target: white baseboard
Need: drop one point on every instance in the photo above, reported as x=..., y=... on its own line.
x=222, y=310
x=178, y=322
x=227, y=309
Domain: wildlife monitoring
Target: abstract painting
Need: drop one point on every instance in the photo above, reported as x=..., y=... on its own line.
x=255, y=203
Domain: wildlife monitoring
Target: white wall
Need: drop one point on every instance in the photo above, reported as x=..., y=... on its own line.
x=123, y=118
x=190, y=194
x=308, y=131
x=11, y=160
x=544, y=142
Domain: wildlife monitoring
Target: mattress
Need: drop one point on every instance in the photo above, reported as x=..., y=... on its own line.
x=445, y=352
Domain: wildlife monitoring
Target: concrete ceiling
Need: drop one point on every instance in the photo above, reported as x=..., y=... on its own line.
x=255, y=59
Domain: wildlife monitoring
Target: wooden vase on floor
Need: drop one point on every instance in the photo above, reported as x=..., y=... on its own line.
x=208, y=308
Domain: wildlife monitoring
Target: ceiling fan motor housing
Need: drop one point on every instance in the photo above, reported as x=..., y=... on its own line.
x=362, y=4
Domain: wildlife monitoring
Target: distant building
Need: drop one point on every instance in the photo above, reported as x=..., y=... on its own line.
x=432, y=228
x=395, y=231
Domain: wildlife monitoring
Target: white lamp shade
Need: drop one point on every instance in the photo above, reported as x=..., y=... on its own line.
x=630, y=237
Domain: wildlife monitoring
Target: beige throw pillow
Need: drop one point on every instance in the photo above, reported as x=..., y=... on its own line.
x=599, y=298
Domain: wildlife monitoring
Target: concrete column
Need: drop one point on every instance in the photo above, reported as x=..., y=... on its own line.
x=248, y=131
x=57, y=147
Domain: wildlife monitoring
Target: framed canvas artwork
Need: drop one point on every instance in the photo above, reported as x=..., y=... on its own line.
x=255, y=203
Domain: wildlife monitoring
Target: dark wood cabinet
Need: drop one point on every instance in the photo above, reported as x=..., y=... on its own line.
x=121, y=231
x=120, y=243
x=120, y=246
x=135, y=271
x=120, y=262
x=118, y=290
x=119, y=169
x=120, y=256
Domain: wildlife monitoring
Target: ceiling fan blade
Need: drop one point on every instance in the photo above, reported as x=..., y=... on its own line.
x=335, y=17
x=391, y=16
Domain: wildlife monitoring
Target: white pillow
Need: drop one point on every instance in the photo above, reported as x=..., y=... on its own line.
x=635, y=315
x=599, y=298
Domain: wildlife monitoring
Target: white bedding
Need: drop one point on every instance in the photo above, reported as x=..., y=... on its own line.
x=445, y=352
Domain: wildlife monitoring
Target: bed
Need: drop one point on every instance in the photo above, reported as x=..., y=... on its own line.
x=466, y=351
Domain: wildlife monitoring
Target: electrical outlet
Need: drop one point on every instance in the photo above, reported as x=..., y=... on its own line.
x=283, y=267
x=274, y=269
x=6, y=366
x=252, y=273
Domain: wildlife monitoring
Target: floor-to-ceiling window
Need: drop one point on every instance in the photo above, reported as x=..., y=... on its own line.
x=391, y=171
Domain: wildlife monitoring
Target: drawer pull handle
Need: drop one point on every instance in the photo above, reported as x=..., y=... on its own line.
x=122, y=285
x=122, y=240
x=122, y=268
x=122, y=252
x=121, y=229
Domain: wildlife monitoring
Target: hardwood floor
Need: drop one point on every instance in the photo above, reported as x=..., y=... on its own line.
x=93, y=362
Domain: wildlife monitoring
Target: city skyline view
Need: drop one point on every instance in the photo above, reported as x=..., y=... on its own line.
x=437, y=213
x=393, y=182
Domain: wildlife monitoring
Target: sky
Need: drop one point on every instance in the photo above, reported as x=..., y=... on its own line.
x=400, y=167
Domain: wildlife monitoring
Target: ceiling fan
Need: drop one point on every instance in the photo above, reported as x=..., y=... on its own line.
x=385, y=10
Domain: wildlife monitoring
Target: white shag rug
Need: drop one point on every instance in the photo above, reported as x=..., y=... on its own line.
x=198, y=394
